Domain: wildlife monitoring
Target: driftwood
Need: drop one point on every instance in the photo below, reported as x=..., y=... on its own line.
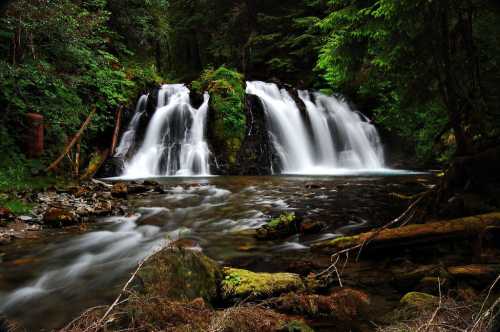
x=73, y=141
x=116, y=132
x=414, y=234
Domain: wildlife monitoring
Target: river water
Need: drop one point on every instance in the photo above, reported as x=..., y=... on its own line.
x=47, y=282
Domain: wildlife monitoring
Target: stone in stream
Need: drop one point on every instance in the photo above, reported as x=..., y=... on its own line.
x=239, y=284
x=287, y=224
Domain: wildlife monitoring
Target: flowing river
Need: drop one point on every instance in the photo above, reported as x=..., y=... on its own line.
x=47, y=282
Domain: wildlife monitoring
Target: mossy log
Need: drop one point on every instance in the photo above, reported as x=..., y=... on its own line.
x=414, y=234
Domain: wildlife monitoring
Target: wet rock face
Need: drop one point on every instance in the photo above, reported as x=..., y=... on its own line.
x=181, y=274
x=255, y=156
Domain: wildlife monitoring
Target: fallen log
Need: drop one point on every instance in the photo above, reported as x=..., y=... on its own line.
x=413, y=234
x=73, y=141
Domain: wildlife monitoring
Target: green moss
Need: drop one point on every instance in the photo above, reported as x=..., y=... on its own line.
x=419, y=300
x=285, y=219
x=238, y=284
x=227, y=96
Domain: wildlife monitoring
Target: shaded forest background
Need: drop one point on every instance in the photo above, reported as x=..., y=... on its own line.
x=426, y=71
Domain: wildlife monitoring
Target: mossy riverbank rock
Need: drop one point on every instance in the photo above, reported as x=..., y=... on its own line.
x=181, y=274
x=419, y=300
x=243, y=284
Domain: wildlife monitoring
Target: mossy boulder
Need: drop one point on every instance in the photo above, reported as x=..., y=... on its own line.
x=284, y=225
x=241, y=284
x=419, y=300
x=181, y=274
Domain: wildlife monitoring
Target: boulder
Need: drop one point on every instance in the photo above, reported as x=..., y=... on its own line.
x=419, y=300
x=119, y=190
x=59, y=217
x=283, y=226
x=241, y=284
x=180, y=274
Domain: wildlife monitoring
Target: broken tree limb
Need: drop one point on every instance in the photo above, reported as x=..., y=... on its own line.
x=73, y=141
x=116, y=132
x=413, y=234
x=98, y=158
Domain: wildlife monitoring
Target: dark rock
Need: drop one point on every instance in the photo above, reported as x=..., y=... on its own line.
x=6, y=215
x=119, y=190
x=58, y=217
x=180, y=274
x=283, y=226
x=137, y=189
x=344, y=304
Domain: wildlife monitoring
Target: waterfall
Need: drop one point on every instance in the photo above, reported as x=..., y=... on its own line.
x=174, y=144
x=329, y=137
x=128, y=138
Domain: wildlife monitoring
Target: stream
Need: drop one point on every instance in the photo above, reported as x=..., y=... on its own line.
x=44, y=283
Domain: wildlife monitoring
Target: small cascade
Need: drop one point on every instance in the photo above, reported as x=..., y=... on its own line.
x=174, y=143
x=327, y=138
x=128, y=137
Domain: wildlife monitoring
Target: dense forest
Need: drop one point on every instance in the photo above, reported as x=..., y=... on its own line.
x=425, y=73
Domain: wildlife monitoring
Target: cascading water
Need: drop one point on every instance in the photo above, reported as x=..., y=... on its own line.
x=336, y=140
x=174, y=143
x=128, y=138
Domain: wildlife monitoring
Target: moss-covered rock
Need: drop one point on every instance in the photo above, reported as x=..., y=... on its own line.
x=285, y=225
x=243, y=284
x=419, y=300
x=227, y=116
x=181, y=274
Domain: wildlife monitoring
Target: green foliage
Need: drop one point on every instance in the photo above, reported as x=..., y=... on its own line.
x=60, y=59
x=227, y=95
x=418, y=60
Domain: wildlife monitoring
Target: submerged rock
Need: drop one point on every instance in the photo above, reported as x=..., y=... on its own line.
x=181, y=274
x=243, y=284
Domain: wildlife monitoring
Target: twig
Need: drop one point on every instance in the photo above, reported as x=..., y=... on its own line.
x=434, y=314
x=480, y=315
x=118, y=298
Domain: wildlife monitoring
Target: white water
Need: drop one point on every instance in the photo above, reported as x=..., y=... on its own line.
x=128, y=138
x=174, y=144
x=339, y=141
